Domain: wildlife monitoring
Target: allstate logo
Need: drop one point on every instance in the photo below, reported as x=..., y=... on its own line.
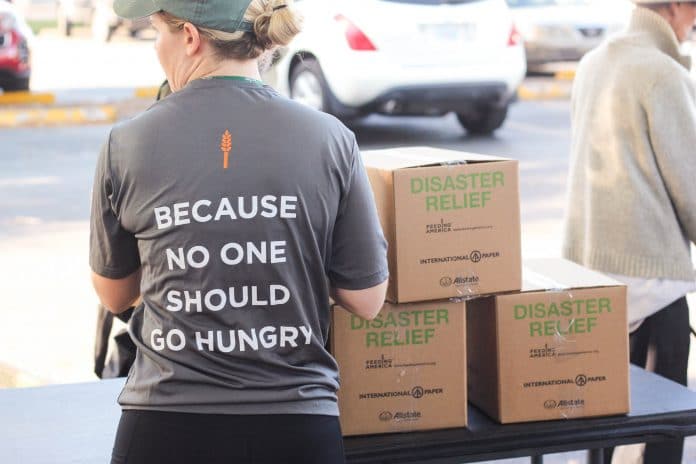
x=417, y=392
x=550, y=404
x=475, y=256
x=385, y=416
x=446, y=282
x=581, y=380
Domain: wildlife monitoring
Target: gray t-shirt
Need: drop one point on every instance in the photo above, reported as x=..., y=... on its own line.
x=240, y=206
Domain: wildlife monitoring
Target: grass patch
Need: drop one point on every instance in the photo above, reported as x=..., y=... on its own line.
x=37, y=25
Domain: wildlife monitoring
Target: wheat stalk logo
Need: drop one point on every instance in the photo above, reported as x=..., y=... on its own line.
x=226, y=147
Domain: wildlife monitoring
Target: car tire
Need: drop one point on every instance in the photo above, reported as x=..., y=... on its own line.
x=308, y=85
x=16, y=85
x=485, y=121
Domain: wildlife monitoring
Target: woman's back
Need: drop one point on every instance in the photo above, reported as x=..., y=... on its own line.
x=232, y=193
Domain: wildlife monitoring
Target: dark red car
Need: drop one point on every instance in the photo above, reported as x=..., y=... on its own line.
x=15, y=36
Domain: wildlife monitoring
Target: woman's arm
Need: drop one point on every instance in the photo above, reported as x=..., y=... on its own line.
x=117, y=295
x=363, y=303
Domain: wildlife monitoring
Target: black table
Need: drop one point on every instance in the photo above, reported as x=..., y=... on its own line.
x=76, y=424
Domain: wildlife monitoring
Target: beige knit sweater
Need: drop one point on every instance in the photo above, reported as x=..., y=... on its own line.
x=632, y=186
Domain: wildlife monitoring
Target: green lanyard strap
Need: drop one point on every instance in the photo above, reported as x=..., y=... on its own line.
x=246, y=80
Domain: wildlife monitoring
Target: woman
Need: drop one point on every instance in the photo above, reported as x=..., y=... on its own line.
x=233, y=213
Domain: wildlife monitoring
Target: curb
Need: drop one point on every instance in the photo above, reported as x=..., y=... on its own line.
x=34, y=109
x=24, y=98
x=545, y=92
x=565, y=75
x=57, y=116
x=146, y=92
x=557, y=87
x=50, y=98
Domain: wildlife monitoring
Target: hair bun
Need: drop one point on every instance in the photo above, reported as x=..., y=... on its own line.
x=262, y=26
x=276, y=24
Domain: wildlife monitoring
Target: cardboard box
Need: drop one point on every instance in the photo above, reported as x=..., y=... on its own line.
x=556, y=350
x=403, y=371
x=452, y=220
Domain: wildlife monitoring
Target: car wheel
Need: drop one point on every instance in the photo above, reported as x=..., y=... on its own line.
x=308, y=86
x=484, y=121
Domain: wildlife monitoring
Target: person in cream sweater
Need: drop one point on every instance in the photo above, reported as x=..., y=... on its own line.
x=631, y=209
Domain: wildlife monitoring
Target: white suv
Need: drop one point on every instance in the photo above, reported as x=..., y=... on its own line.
x=405, y=57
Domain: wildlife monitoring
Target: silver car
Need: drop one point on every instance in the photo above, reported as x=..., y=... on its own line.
x=564, y=30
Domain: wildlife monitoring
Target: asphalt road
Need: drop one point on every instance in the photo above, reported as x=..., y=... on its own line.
x=47, y=316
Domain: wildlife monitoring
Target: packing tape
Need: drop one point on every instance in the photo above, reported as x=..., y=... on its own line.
x=535, y=279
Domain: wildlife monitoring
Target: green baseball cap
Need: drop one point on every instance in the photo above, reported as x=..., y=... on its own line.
x=219, y=15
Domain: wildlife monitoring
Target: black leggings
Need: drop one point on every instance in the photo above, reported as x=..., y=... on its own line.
x=166, y=437
x=667, y=332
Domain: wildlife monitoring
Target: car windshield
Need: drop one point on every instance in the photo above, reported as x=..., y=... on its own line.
x=532, y=3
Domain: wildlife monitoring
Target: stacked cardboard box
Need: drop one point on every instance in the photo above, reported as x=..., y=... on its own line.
x=453, y=225
x=452, y=221
x=404, y=370
x=557, y=348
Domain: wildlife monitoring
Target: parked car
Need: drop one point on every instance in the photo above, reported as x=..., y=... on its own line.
x=405, y=57
x=564, y=30
x=99, y=15
x=15, y=56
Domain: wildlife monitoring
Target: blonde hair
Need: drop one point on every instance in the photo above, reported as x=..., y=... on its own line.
x=275, y=24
